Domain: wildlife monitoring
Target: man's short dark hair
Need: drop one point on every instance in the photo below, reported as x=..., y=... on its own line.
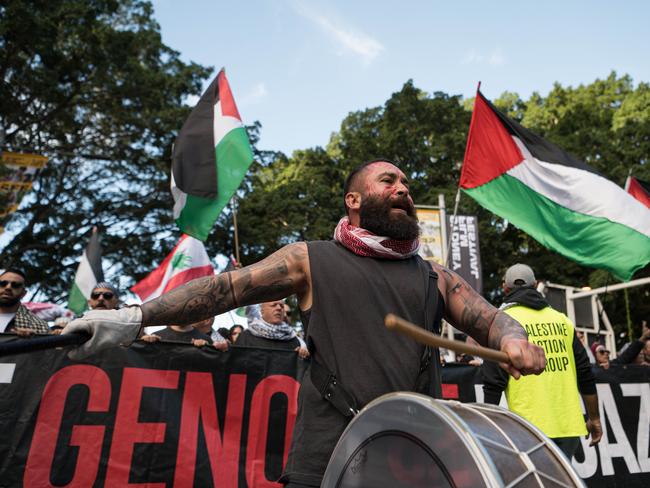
x=14, y=271
x=351, y=179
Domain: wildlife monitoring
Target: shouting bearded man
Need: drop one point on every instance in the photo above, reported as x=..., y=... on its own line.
x=345, y=288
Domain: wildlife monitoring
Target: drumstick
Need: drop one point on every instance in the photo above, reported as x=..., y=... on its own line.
x=423, y=336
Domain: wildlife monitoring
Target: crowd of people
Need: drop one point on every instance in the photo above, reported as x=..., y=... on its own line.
x=269, y=326
x=16, y=318
x=268, y=323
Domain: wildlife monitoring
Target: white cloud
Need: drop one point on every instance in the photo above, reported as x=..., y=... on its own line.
x=494, y=58
x=254, y=96
x=349, y=39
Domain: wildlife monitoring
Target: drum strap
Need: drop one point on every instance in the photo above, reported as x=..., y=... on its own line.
x=429, y=381
x=332, y=391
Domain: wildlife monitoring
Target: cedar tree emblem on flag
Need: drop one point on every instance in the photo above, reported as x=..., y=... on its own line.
x=187, y=261
x=560, y=201
x=211, y=156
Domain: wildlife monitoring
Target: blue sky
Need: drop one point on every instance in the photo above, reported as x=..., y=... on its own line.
x=300, y=66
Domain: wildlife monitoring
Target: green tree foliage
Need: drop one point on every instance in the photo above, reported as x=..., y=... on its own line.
x=91, y=86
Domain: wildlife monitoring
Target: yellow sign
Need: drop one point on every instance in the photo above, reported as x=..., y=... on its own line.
x=431, y=247
x=17, y=172
x=20, y=159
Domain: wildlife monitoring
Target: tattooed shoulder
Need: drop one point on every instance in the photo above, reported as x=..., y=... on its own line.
x=471, y=313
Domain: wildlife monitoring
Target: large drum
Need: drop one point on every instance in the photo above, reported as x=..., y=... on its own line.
x=406, y=440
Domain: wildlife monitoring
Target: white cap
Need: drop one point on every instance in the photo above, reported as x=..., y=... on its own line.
x=519, y=275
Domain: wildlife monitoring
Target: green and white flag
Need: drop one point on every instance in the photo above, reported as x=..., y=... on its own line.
x=559, y=200
x=211, y=156
x=89, y=273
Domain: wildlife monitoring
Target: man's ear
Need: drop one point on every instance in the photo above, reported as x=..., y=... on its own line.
x=23, y=293
x=353, y=200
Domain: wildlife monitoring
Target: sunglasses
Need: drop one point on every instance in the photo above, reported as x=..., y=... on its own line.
x=603, y=351
x=14, y=284
x=106, y=294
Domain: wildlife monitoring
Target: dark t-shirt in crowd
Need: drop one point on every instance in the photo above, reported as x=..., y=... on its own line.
x=346, y=334
x=246, y=338
x=169, y=334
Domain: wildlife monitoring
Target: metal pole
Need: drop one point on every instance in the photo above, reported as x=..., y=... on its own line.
x=443, y=227
x=451, y=227
x=619, y=286
x=630, y=331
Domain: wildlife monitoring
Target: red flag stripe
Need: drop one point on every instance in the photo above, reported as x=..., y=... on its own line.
x=152, y=281
x=188, y=275
x=638, y=192
x=228, y=107
x=490, y=149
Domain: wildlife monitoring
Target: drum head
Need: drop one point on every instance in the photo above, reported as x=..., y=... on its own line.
x=391, y=443
x=405, y=440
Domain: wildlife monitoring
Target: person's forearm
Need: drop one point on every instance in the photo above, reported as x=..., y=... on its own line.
x=504, y=327
x=276, y=277
x=591, y=405
x=197, y=300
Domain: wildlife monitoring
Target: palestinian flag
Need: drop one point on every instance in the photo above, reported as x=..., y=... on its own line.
x=89, y=273
x=187, y=261
x=210, y=158
x=638, y=189
x=560, y=201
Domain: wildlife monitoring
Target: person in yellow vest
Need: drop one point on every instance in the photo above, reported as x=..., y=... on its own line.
x=550, y=400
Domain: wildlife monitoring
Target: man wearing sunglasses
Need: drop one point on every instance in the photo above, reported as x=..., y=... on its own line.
x=103, y=297
x=14, y=317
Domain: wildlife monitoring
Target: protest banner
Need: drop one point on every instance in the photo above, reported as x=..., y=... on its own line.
x=177, y=415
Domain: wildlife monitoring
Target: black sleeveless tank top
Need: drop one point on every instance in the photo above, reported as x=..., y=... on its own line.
x=345, y=332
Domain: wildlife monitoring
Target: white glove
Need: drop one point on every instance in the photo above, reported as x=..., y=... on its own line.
x=107, y=328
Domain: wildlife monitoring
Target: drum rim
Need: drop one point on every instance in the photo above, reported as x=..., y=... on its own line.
x=483, y=461
x=566, y=463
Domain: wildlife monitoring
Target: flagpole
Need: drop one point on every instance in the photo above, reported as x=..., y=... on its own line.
x=234, y=221
x=451, y=227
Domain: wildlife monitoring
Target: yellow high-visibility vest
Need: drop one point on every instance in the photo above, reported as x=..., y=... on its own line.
x=550, y=401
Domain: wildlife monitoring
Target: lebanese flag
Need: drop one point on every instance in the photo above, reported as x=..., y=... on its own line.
x=211, y=156
x=638, y=189
x=187, y=261
x=558, y=200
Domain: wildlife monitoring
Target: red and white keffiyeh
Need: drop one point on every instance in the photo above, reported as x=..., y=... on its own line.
x=364, y=243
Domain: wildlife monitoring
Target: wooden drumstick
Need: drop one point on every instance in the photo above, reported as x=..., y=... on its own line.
x=423, y=336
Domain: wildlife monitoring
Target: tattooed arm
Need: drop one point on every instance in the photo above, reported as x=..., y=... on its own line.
x=283, y=273
x=469, y=312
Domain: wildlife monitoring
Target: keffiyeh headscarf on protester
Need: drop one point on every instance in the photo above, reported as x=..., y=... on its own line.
x=261, y=328
x=364, y=243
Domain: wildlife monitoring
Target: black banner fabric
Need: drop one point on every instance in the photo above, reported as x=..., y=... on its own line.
x=464, y=251
x=162, y=415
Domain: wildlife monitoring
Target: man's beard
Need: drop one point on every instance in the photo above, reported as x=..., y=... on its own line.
x=376, y=216
x=9, y=302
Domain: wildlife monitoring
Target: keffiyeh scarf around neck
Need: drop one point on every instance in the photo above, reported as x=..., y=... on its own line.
x=261, y=328
x=364, y=243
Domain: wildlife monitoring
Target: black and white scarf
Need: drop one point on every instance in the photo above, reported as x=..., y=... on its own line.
x=261, y=328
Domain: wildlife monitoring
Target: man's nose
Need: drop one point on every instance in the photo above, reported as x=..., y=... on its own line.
x=402, y=189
